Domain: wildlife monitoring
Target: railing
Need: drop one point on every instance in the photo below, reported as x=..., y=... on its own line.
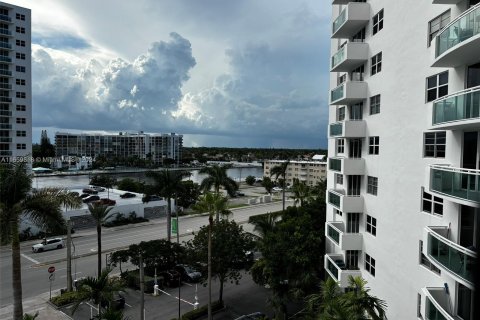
x=332, y=267
x=5, y=59
x=333, y=233
x=5, y=32
x=335, y=164
x=5, y=72
x=434, y=310
x=336, y=129
x=461, y=105
x=5, y=86
x=338, y=57
x=5, y=113
x=337, y=93
x=5, y=45
x=5, y=126
x=5, y=153
x=5, y=139
x=4, y=17
x=462, y=28
x=5, y=99
x=334, y=198
x=455, y=258
x=455, y=182
x=339, y=21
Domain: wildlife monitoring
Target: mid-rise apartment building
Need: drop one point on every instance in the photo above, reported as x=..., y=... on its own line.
x=15, y=83
x=404, y=153
x=310, y=172
x=157, y=147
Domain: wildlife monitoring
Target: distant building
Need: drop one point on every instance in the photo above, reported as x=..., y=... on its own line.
x=157, y=147
x=309, y=171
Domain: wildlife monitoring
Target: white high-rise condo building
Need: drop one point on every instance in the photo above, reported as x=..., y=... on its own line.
x=15, y=83
x=404, y=153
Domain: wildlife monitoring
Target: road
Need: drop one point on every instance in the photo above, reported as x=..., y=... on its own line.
x=34, y=266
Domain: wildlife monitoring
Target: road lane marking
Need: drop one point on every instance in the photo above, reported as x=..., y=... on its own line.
x=128, y=305
x=30, y=259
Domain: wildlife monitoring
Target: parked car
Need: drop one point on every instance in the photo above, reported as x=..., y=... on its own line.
x=171, y=278
x=89, y=191
x=117, y=303
x=127, y=195
x=108, y=202
x=188, y=273
x=48, y=244
x=239, y=194
x=84, y=195
x=277, y=189
x=91, y=199
x=98, y=189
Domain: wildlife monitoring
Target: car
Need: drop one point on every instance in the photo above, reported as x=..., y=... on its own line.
x=98, y=189
x=91, y=199
x=252, y=316
x=108, y=202
x=239, y=194
x=171, y=278
x=89, y=191
x=127, y=195
x=48, y=244
x=117, y=303
x=188, y=273
x=84, y=195
x=277, y=189
x=148, y=198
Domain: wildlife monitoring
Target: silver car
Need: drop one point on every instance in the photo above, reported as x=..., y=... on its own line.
x=48, y=244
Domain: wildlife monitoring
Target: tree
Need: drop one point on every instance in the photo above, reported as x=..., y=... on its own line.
x=103, y=180
x=167, y=184
x=188, y=194
x=281, y=171
x=100, y=290
x=128, y=184
x=301, y=192
x=250, y=180
x=17, y=200
x=46, y=148
x=213, y=203
x=100, y=214
x=229, y=246
x=267, y=183
x=217, y=177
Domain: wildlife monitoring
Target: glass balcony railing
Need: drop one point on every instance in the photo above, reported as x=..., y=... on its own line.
x=5, y=99
x=338, y=57
x=5, y=59
x=5, y=86
x=458, y=260
x=334, y=199
x=5, y=139
x=333, y=233
x=455, y=182
x=335, y=164
x=5, y=126
x=339, y=21
x=5, y=113
x=461, y=29
x=332, y=267
x=433, y=312
x=5, y=72
x=5, y=153
x=5, y=32
x=5, y=18
x=463, y=105
x=337, y=93
x=336, y=129
x=5, y=45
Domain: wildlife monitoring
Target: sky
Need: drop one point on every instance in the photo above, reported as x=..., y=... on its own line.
x=239, y=73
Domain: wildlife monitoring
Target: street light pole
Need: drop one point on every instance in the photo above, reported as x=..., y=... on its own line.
x=178, y=242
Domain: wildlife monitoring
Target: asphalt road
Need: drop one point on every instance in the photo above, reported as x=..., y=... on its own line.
x=34, y=266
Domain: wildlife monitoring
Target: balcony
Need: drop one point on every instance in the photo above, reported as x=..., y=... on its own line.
x=350, y=56
x=460, y=185
x=5, y=32
x=347, y=166
x=346, y=241
x=5, y=126
x=340, y=1
x=458, y=261
x=336, y=268
x=5, y=153
x=457, y=44
x=348, y=93
x=5, y=45
x=345, y=203
x=355, y=16
x=5, y=140
x=348, y=129
x=4, y=113
x=437, y=302
x=446, y=1
x=5, y=73
x=6, y=99
x=5, y=86
x=5, y=59
x=5, y=18
x=460, y=110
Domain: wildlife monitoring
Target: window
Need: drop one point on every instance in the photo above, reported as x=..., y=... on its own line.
x=336, y=211
x=341, y=79
x=21, y=95
x=21, y=133
x=20, y=68
x=21, y=146
x=358, y=73
x=356, y=111
x=425, y=262
x=21, y=120
x=370, y=264
x=437, y=86
x=437, y=24
x=352, y=259
x=20, y=29
x=341, y=114
x=21, y=107
x=434, y=144
x=19, y=55
x=372, y=185
x=431, y=204
x=340, y=146
x=20, y=43
x=419, y=306
x=371, y=226
x=373, y=145
x=20, y=82
x=339, y=178
x=20, y=16
x=375, y=104
x=359, y=36
x=378, y=22
x=376, y=64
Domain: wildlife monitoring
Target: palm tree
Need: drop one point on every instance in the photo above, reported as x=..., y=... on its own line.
x=167, y=184
x=301, y=192
x=264, y=224
x=281, y=171
x=100, y=214
x=361, y=302
x=98, y=290
x=213, y=203
x=42, y=207
x=28, y=316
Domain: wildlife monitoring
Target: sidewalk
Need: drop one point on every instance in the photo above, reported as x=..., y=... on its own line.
x=39, y=303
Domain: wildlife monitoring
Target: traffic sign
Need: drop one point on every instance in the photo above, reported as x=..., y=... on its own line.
x=51, y=269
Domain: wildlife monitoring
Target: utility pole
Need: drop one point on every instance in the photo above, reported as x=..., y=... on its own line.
x=142, y=290
x=178, y=242
x=69, y=255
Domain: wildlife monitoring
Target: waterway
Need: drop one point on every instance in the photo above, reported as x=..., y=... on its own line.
x=70, y=181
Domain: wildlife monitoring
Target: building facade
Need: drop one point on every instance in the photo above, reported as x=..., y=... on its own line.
x=157, y=147
x=404, y=153
x=15, y=83
x=309, y=172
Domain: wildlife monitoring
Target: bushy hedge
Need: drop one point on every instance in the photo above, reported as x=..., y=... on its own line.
x=64, y=299
x=132, y=279
x=202, y=311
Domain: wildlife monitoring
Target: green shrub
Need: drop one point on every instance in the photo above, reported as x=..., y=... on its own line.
x=132, y=278
x=202, y=311
x=64, y=299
